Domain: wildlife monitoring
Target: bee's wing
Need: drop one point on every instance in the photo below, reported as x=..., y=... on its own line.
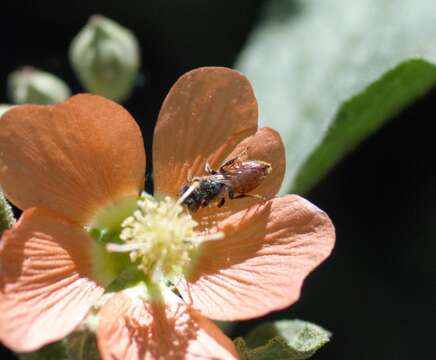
x=219, y=178
x=232, y=175
x=231, y=165
x=238, y=168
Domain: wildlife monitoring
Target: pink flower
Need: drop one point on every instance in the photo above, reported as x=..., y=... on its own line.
x=80, y=165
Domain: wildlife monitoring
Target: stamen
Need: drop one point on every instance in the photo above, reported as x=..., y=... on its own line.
x=160, y=236
x=202, y=237
x=123, y=248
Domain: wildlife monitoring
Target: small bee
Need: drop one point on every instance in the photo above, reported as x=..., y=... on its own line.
x=235, y=177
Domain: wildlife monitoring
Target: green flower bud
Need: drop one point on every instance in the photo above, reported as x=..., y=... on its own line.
x=4, y=108
x=33, y=86
x=7, y=218
x=105, y=57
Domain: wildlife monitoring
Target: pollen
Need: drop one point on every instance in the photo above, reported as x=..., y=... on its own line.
x=159, y=236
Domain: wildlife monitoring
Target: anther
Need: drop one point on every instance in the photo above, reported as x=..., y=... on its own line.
x=123, y=248
x=199, y=238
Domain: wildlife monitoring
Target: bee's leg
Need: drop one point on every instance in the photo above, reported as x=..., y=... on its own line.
x=226, y=164
x=237, y=158
x=241, y=154
x=204, y=203
x=221, y=202
x=240, y=196
x=231, y=193
x=256, y=196
x=209, y=170
x=229, y=162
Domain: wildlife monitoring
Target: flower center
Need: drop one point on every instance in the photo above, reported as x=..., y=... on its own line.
x=159, y=237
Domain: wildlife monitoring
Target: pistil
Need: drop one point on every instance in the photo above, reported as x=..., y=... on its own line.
x=160, y=237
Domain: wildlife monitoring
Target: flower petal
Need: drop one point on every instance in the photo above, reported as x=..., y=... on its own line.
x=205, y=115
x=45, y=280
x=133, y=329
x=265, y=145
x=71, y=158
x=260, y=265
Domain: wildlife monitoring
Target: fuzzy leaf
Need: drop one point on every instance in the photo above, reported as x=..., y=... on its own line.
x=82, y=345
x=55, y=351
x=4, y=108
x=7, y=218
x=309, y=57
x=79, y=345
x=282, y=340
x=363, y=114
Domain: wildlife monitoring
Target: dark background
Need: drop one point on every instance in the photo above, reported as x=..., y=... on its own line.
x=377, y=291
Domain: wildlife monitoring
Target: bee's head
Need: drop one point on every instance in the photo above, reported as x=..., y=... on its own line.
x=192, y=201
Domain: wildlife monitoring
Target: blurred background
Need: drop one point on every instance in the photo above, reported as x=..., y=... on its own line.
x=377, y=291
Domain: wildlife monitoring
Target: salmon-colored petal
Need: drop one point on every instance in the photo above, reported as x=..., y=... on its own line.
x=72, y=158
x=45, y=280
x=135, y=330
x=260, y=265
x=205, y=115
x=265, y=145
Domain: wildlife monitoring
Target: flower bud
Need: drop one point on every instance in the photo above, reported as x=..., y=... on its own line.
x=105, y=57
x=4, y=108
x=7, y=218
x=33, y=86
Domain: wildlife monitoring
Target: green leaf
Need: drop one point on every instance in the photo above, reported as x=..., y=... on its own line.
x=4, y=108
x=7, y=218
x=307, y=58
x=82, y=345
x=55, y=351
x=363, y=114
x=282, y=340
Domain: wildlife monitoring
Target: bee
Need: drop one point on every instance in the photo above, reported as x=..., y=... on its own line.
x=234, y=178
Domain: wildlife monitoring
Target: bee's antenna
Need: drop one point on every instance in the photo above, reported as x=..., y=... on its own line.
x=188, y=192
